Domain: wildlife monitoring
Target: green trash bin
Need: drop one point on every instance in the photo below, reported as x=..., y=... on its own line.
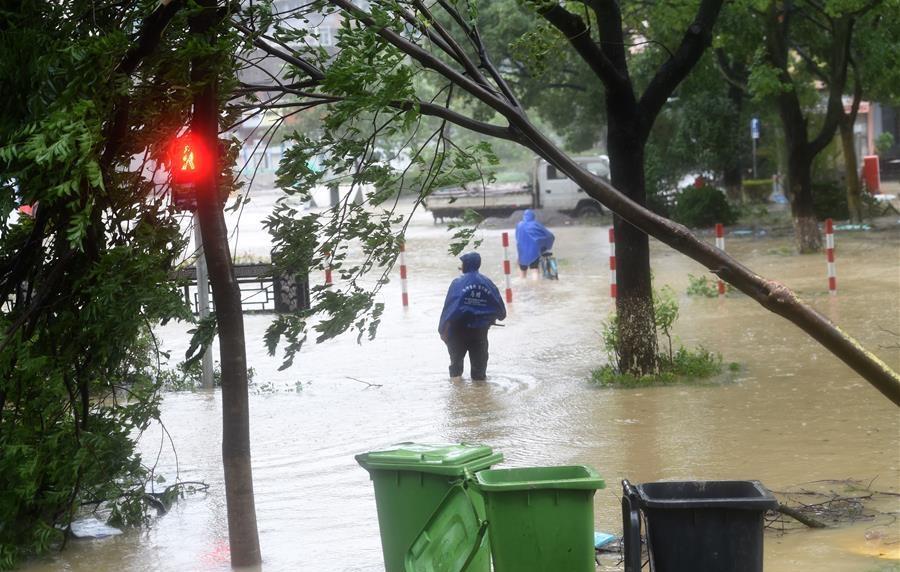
x=541, y=519
x=412, y=480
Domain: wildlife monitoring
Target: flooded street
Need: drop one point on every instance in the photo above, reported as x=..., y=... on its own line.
x=791, y=414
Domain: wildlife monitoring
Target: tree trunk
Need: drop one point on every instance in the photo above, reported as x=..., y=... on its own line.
x=634, y=302
x=732, y=177
x=806, y=227
x=243, y=536
x=854, y=190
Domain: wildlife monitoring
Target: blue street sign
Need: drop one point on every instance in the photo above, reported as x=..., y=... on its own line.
x=754, y=128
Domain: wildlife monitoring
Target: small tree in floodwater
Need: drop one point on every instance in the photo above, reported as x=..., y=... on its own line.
x=397, y=64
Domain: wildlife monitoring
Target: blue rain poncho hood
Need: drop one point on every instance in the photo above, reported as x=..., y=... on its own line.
x=532, y=238
x=473, y=301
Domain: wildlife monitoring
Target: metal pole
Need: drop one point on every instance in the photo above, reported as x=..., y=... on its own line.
x=206, y=374
x=754, y=158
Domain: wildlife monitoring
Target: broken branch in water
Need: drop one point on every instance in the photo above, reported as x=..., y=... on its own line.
x=162, y=502
x=846, y=501
x=368, y=385
x=800, y=517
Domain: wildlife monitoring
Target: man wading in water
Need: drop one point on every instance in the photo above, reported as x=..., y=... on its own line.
x=472, y=306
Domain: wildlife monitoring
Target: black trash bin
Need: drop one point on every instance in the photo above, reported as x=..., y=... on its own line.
x=713, y=526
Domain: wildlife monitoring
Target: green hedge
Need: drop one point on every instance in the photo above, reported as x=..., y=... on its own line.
x=757, y=190
x=700, y=207
x=830, y=200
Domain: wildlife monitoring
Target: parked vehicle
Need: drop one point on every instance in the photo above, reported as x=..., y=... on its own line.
x=549, y=189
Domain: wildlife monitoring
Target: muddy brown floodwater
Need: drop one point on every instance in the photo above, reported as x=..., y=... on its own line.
x=791, y=414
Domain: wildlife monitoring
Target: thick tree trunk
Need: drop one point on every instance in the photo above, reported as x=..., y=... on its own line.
x=854, y=190
x=243, y=536
x=806, y=228
x=634, y=303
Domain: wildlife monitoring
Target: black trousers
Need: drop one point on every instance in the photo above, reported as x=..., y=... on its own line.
x=473, y=341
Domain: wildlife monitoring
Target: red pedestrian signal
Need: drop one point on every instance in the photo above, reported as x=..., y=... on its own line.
x=189, y=164
x=189, y=161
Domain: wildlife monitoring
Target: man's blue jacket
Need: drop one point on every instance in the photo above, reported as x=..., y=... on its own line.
x=532, y=238
x=473, y=301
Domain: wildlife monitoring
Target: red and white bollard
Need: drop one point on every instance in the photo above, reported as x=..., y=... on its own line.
x=403, y=289
x=613, y=291
x=720, y=244
x=829, y=252
x=328, y=280
x=506, y=267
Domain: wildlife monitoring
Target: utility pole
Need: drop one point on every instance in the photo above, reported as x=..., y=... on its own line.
x=206, y=372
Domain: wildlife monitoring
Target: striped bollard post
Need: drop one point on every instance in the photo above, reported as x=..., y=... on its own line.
x=613, y=288
x=403, y=288
x=328, y=280
x=720, y=244
x=829, y=253
x=506, y=267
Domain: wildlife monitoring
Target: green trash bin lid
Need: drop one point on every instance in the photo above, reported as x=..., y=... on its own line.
x=575, y=477
x=443, y=459
x=450, y=539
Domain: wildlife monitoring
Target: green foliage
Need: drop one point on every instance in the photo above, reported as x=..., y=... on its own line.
x=757, y=191
x=705, y=286
x=686, y=366
x=464, y=232
x=700, y=207
x=884, y=142
x=665, y=312
x=550, y=79
x=830, y=200
x=88, y=276
x=187, y=376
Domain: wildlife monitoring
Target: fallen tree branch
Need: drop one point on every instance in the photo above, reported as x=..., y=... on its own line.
x=800, y=517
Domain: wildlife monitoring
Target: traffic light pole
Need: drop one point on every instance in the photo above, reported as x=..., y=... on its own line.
x=206, y=372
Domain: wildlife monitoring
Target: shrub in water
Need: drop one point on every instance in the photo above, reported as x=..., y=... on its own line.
x=700, y=207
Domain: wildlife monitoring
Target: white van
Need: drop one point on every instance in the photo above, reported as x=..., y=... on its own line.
x=553, y=190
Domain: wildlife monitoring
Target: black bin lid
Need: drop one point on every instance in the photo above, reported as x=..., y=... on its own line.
x=746, y=495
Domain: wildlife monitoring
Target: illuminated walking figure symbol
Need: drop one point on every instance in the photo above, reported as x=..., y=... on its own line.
x=187, y=159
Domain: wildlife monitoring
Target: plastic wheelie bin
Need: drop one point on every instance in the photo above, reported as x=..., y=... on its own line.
x=714, y=526
x=541, y=519
x=412, y=481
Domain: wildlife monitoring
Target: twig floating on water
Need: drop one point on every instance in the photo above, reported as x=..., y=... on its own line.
x=368, y=385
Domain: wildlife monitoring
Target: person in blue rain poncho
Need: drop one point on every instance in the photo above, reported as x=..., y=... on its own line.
x=532, y=240
x=472, y=306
